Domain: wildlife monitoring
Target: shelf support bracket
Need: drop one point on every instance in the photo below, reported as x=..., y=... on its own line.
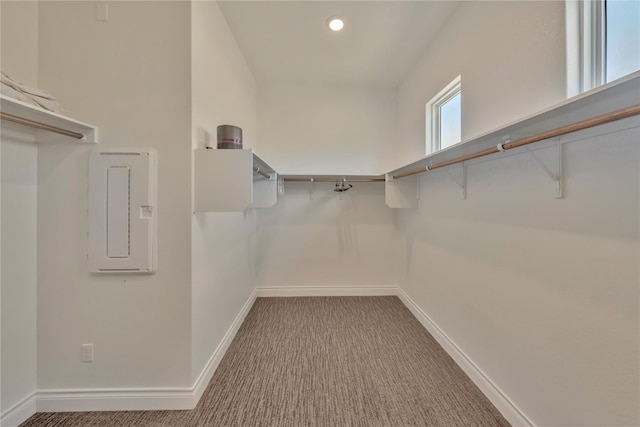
x=557, y=178
x=463, y=183
x=281, y=186
x=312, y=188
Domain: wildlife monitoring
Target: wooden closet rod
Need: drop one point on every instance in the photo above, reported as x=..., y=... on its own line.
x=563, y=130
x=38, y=125
x=257, y=170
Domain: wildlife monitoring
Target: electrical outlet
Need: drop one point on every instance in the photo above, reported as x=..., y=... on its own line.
x=86, y=353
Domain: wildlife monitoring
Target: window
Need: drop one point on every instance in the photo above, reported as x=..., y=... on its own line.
x=622, y=38
x=603, y=42
x=444, y=117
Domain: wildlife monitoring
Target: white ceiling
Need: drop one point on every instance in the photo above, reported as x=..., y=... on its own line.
x=288, y=41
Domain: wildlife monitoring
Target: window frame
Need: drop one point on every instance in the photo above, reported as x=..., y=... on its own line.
x=586, y=41
x=433, y=119
x=586, y=45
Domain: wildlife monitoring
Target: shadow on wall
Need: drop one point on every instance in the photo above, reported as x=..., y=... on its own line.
x=337, y=234
x=512, y=228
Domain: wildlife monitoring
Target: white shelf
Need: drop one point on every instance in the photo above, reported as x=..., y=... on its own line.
x=225, y=181
x=332, y=178
x=35, y=114
x=622, y=93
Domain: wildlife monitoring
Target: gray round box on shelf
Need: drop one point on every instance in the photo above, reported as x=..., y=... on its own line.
x=229, y=136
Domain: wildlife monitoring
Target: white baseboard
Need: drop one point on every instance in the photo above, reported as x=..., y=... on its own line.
x=507, y=408
x=20, y=412
x=207, y=373
x=82, y=400
x=324, y=291
x=141, y=399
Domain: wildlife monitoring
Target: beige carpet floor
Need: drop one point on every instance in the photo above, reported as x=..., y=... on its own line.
x=322, y=361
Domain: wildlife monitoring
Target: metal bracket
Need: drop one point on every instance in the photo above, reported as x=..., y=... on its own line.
x=312, y=188
x=463, y=183
x=557, y=178
x=281, y=186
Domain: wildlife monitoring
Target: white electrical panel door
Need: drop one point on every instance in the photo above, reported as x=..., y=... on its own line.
x=122, y=211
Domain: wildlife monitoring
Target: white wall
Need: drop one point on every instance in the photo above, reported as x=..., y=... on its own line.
x=19, y=42
x=540, y=293
x=223, y=88
x=19, y=280
x=131, y=77
x=223, y=244
x=18, y=202
x=512, y=60
x=323, y=129
x=326, y=129
x=312, y=237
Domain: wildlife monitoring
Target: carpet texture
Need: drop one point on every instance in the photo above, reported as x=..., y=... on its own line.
x=322, y=361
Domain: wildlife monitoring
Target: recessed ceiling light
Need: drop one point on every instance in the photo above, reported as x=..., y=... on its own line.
x=335, y=23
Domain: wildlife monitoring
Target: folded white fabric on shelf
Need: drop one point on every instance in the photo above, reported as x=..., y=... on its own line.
x=15, y=94
x=38, y=97
x=21, y=87
x=51, y=105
